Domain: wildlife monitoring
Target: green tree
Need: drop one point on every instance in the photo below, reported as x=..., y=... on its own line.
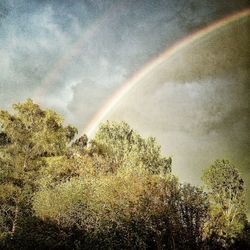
x=116, y=192
x=227, y=202
x=28, y=136
x=192, y=206
x=119, y=184
x=124, y=208
x=126, y=147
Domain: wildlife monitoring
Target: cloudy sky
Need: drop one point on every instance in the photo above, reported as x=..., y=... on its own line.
x=197, y=103
x=72, y=55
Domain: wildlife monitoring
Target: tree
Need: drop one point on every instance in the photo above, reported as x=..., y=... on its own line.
x=116, y=192
x=123, y=208
x=126, y=147
x=227, y=202
x=28, y=136
x=125, y=193
x=80, y=144
x=192, y=207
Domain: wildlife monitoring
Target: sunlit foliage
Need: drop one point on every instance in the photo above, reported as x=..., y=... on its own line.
x=227, y=202
x=116, y=191
x=28, y=136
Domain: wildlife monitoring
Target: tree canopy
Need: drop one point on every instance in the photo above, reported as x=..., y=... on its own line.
x=126, y=147
x=227, y=198
x=116, y=191
x=28, y=136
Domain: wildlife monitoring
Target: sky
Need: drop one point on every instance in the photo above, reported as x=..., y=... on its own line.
x=72, y=56
x=197, y=102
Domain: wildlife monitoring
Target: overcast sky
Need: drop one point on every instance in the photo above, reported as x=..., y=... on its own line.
x=72, y=55
x=197, y=103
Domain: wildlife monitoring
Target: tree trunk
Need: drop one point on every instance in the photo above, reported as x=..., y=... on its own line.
x=14, y=224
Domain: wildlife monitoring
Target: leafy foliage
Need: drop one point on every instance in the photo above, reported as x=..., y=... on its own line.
x=28, y=136
x=116, y=191
x=126, y=147
x=227, y=196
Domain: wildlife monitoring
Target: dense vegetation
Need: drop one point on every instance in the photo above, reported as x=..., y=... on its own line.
x=116, y=191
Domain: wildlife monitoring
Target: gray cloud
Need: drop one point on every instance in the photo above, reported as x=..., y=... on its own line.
x=36, y=35
x=82, y=107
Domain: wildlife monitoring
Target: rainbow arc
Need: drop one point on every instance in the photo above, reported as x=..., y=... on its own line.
x=165, y=55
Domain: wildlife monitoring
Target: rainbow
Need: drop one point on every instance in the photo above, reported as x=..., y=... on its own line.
x=165, y=55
